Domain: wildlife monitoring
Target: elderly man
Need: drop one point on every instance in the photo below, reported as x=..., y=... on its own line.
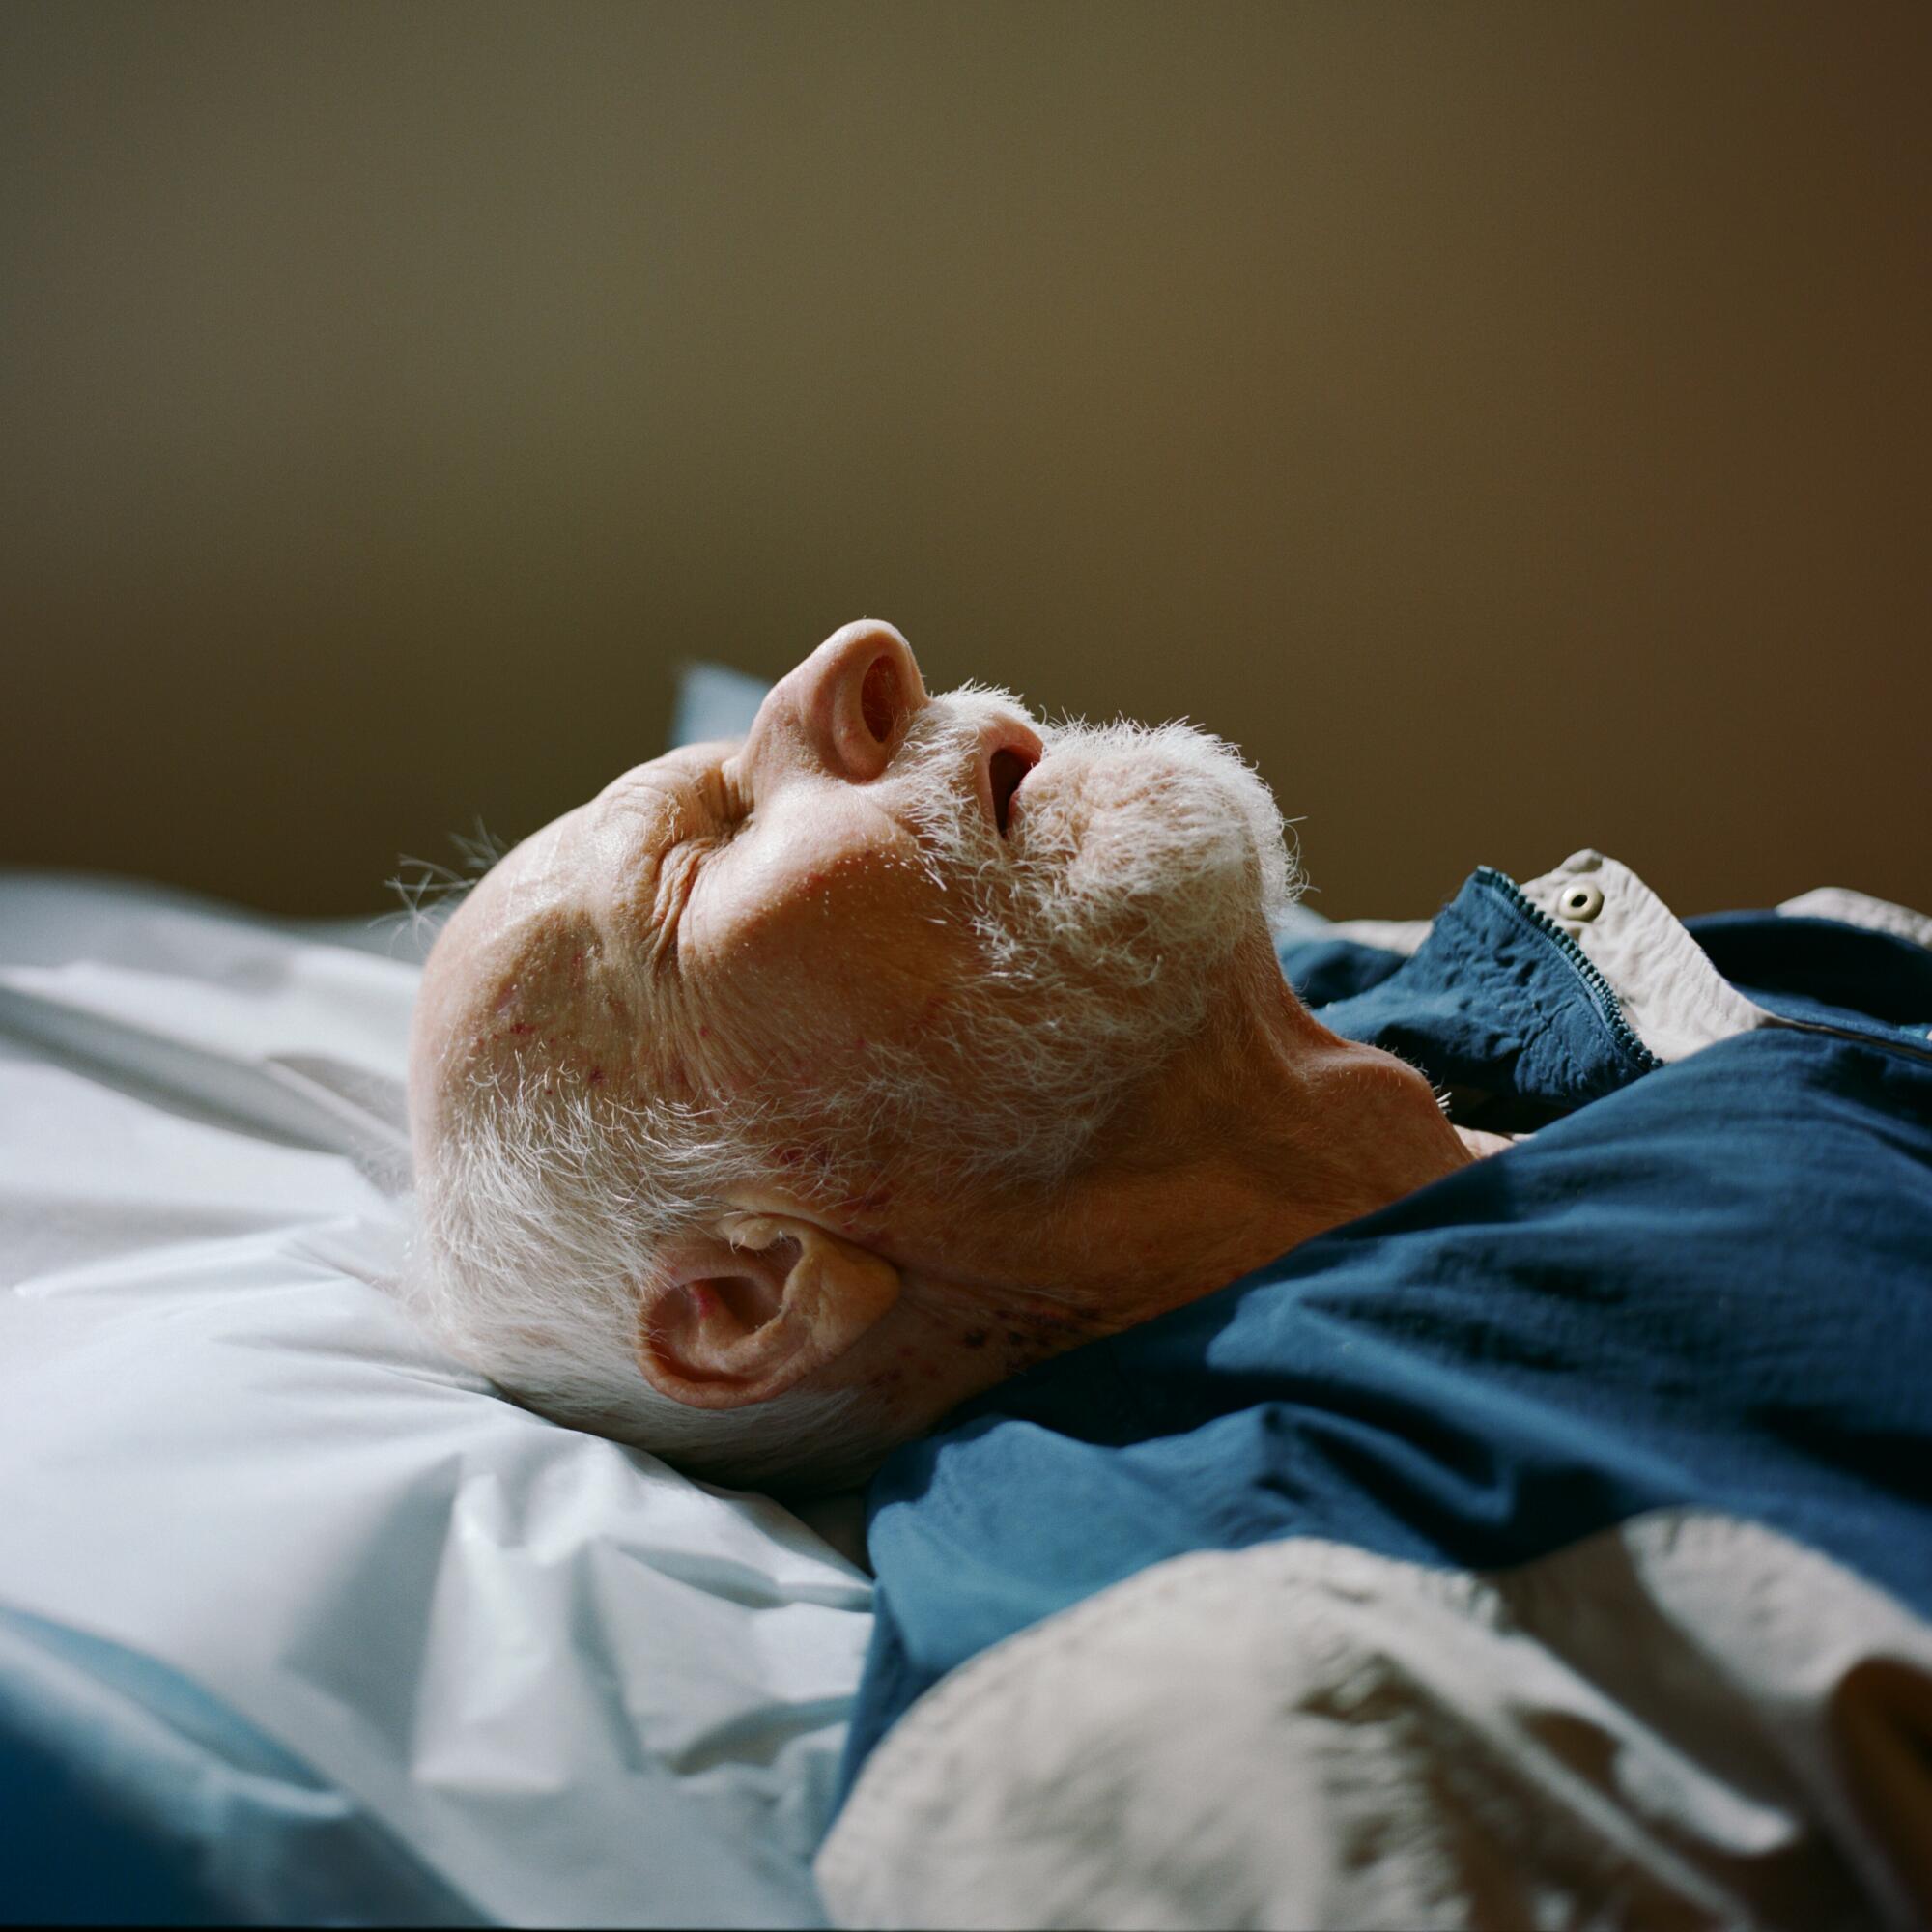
x=1438, y=1436
x=793, y=1091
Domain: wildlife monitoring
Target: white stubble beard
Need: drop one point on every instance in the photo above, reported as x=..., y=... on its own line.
x=1137, y=860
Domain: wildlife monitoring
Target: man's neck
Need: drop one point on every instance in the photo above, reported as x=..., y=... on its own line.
x=1272, y=1132
x=1269, y=1131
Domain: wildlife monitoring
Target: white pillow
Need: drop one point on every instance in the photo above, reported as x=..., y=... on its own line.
x=574, y=1686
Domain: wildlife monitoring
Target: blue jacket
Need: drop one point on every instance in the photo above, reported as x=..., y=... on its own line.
x=1703, y=1281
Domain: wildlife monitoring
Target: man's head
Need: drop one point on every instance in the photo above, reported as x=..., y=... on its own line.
x=716, y=1073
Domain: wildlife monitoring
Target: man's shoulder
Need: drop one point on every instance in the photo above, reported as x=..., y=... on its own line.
x=1708, y=1290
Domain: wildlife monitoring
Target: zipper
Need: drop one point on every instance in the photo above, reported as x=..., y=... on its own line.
x=1608, y=1005
x=1611, y=1008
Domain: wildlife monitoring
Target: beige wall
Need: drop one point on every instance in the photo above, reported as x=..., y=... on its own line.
x=1510, y=422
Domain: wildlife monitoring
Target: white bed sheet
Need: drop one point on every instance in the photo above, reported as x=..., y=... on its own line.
x=572, y=1686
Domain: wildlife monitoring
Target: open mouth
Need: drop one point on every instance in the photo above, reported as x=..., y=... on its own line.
x=1008, y=772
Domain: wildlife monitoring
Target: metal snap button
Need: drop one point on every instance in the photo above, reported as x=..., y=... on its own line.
x=1581, y=901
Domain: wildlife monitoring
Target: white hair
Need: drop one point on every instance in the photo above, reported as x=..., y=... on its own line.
x=541, y=1215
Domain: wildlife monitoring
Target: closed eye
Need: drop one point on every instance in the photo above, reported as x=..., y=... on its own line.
x=729, y=799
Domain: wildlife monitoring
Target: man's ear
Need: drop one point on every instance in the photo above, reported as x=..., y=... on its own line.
x=745, y=1312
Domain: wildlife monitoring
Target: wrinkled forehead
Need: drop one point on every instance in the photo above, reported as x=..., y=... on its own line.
x=506, y=963
x=523, y=963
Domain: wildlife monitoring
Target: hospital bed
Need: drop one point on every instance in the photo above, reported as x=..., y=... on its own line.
x=299, y=1622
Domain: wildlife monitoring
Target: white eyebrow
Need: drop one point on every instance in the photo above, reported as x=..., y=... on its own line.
x=650, y=812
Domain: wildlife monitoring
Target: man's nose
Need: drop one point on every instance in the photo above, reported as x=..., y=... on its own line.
x=847, y=705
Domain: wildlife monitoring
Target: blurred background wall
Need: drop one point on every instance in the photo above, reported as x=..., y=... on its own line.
x=1509, y=422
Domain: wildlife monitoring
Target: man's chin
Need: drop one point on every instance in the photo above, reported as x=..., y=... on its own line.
x=1093, y=805
x=1166, y=823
